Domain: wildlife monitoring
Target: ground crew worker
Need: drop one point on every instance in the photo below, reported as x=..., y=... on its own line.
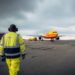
x=12, y=47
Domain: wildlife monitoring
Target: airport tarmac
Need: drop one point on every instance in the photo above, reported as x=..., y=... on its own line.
x=47, y=58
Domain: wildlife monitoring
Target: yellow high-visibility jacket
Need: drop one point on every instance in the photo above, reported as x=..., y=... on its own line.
x=12, y=40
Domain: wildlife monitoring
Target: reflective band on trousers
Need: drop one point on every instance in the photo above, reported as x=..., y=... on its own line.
x=12, y=54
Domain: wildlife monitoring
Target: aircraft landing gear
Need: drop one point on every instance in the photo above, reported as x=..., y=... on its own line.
x=40, y=38
x=57, y=38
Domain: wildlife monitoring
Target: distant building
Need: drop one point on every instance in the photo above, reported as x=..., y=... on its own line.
x=1, y=34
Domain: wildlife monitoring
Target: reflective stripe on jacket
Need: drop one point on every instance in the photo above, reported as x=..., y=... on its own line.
x=12, y=52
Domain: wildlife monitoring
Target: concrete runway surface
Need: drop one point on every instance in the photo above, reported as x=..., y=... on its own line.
x=47, y=58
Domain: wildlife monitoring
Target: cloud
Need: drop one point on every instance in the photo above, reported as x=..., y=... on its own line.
x=16, y=11
x=57, y=8
x=10, y=8
x=38, y=16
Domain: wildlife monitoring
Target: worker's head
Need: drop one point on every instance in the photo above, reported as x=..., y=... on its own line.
x=13, y=28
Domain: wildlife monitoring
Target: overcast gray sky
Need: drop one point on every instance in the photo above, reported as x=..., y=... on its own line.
x=38, y=16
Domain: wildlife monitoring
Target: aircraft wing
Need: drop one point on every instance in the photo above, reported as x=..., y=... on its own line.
x=35, y=35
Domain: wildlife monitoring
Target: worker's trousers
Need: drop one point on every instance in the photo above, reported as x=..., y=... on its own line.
x=13, y=65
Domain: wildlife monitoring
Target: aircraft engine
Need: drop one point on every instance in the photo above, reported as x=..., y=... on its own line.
x=57, y=38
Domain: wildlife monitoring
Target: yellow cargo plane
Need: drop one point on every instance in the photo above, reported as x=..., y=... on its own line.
x=50, y=35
